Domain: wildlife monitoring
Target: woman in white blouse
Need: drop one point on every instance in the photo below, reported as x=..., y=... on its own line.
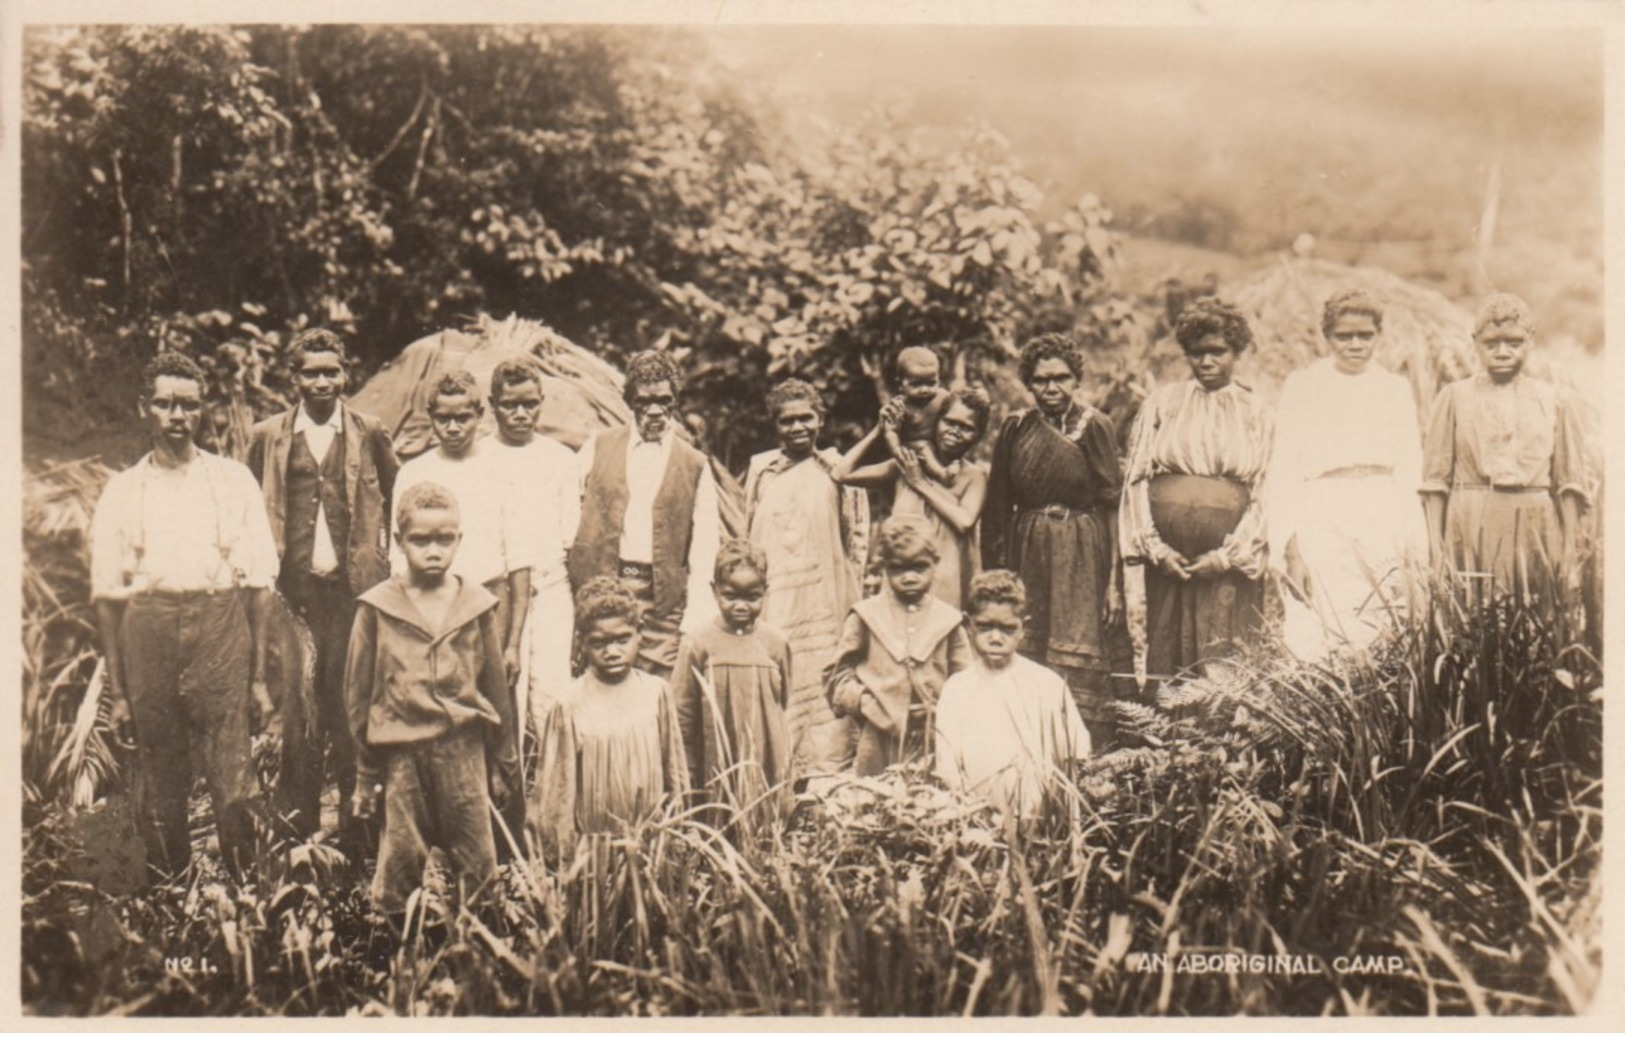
x=1345, y=519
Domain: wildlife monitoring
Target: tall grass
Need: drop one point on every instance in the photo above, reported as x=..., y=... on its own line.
x=1438, y=802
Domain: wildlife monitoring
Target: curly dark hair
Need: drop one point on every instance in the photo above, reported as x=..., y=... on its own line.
x=423, y=495
x=650, y=367
x=606, y=597
x=902, y=535
x=516, y=370
x=1211, y=315
x=739, y=554
x=316, y=340
x=170, y=364
x=975, y=401
x=793, y=390
x=1504, y=308
x=996, y=587
x=460, y=382
x=1053, y=345
x=1351, y=300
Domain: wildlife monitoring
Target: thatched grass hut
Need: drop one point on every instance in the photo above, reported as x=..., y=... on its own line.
x=582, y=393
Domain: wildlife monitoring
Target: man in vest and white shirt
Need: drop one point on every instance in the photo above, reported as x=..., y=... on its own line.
x=649, y=513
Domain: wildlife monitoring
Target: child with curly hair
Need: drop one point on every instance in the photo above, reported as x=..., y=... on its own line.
x=730, y=686
x=897, y=648
x=1005, y=724
x=611, y=748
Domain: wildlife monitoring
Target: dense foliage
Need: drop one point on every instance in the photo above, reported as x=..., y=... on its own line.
x=210, y=189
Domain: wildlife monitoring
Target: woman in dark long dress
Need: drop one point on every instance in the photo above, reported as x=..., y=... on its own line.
x=1051, y=517
x=1193, y=508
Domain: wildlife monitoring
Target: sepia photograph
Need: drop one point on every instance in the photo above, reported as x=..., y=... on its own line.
x=832, y=520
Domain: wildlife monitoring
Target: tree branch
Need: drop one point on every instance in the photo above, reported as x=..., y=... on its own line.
x=400, y=134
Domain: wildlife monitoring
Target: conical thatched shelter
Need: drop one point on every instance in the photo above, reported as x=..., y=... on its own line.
x=582, y=392
x=1426, y=337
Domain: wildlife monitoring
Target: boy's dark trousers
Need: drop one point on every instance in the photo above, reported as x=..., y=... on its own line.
x=328, y=610
x=436, y=793
x=187, y=659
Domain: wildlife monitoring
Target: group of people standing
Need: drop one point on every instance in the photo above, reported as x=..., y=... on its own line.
x=502, y=599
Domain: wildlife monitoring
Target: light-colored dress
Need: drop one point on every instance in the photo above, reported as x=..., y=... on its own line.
x=611, y=753
x=1001, y=734
x=729, y=690
x=1205, y=438
x=1343, y=481
x=814, y=534
x=1503, y=454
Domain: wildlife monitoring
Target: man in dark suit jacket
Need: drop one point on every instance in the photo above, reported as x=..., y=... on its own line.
x=327, y=473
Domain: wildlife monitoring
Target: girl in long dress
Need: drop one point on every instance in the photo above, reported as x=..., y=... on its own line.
x=951, y=508
x=612, y=750
x=730, y=687
x=1503, y=479
x=815, y=536
x=1193, y=510
x=1051, y=518
x=1344, y=520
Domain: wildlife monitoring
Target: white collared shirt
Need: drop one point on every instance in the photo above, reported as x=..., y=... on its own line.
x=545, y=499
x=199, y=527
x=645, y=471
x=476, y=481
x=324, y=560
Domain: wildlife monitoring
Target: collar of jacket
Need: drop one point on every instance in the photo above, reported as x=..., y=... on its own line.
x=390, y=598
x=937, y=620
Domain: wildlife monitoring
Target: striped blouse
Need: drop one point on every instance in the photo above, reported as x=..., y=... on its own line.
x=1186, y=430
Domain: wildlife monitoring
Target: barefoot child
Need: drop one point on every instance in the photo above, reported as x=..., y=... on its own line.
x=1005, y=724
x=611, y=748
x=896, y=650
x=430, y=708
x=730, y=686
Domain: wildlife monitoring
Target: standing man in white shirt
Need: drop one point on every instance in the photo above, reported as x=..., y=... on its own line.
x=327, y=473
x=544, y=494
x=181, y=566
x=649, y=513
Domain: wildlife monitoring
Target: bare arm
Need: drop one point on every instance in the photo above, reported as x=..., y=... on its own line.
x=962, y=513
x=848, y=472
x=1433, y=511
x=518, y=610
x=109, y=617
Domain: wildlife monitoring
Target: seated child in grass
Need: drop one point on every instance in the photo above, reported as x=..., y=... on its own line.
x=1007, y=723
x=897, y=648
x=730, y=686
x=611, y=748
x=430, y=708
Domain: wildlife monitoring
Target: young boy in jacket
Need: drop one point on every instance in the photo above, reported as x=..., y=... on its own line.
x=430, y=708
x=896, y=650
